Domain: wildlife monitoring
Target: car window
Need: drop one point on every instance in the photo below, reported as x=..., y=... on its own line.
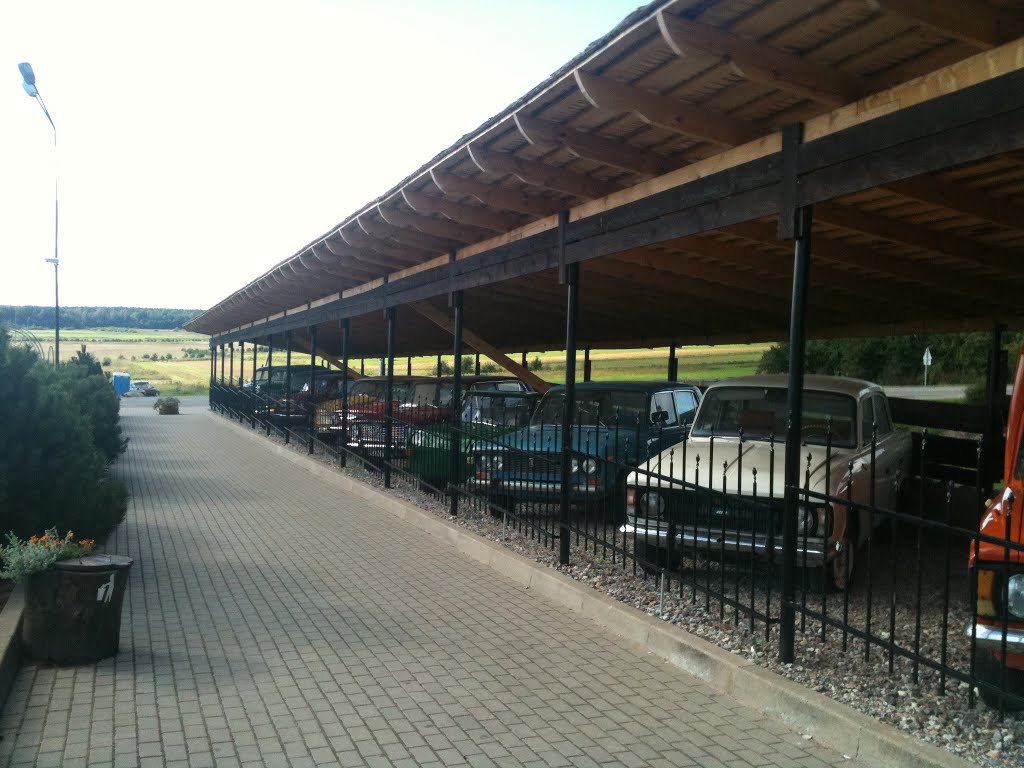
x=607, y=408
x=510, y=386
x=867, y=420
x=882, y=418
x=662, y=401
x=686, y=405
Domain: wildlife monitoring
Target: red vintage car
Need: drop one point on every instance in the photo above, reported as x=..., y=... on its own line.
x=997, y=565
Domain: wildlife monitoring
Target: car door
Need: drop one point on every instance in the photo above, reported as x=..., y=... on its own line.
x=662, y=434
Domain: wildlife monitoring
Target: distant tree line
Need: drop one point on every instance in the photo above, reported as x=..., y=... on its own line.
x=97, y=317
x=957, y=358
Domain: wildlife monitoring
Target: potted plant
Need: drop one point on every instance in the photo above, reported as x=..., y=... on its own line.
x=167, y=405
x=72, y=596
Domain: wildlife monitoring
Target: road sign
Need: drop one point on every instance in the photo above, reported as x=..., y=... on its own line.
x=927, y=356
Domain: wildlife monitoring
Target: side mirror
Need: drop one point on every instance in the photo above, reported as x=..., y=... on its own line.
x=659, y=417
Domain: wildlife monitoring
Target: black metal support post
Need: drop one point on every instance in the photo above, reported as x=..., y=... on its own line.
x=231, y=364
x=456, y=433
x=586, y=364
x=408, y=366
x=389, y=429
x=252, y=392
x=572, y=307
x=270, y=371
x=344, y=392
x=241, y=363
x=673, y=364
x=222, y=350
x=311, y=400
x=995, y=393
x=288, y=388
x=797, y=344
x=477, y=364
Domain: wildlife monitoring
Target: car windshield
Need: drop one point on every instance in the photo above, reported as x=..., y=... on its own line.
x=607, y=408
x=499, y=408
x=761, y=413
x=141, y=383
x=377, y=390
x=430, y=393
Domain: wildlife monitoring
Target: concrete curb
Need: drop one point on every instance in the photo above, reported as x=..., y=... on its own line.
x=832, y=724
x=10, y=641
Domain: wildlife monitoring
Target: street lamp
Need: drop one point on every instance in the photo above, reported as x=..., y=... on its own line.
x=29, y=84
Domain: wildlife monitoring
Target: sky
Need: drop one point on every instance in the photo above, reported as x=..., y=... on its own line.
x=203, y=141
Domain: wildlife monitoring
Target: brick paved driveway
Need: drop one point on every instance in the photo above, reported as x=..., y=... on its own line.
x=273, y=621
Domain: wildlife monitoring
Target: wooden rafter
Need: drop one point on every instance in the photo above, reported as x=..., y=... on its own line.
x=473, y=215
x=379, y=228
x=444, y=228
x=366, y=260
x=341, y=265
x=971, y=252
x=762, y=63
x=592, y=146
x=979, y=24
x=494, y=196
x=666, y=112
x=390, y=255
x=540, y=174
x=440, y=319
x=976, y=202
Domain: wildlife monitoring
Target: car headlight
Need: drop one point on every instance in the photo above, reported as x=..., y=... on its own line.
x=497, y=462
x=651, y=505
x=589, y=466
x=811, y=520
x=1015, y=596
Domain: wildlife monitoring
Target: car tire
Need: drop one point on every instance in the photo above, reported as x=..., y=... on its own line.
x=988, y=670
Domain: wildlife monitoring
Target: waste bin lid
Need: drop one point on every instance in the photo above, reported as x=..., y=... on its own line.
x=94, y=563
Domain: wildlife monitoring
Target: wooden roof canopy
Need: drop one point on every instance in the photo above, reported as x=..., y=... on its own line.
x=663, y=143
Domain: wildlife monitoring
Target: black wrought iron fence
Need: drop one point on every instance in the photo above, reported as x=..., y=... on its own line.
x=882, y=565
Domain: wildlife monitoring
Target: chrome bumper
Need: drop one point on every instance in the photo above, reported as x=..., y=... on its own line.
x=533, y=486
x=991, y=638
x=814, y=553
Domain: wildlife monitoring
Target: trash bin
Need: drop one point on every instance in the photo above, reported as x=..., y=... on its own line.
x=73, y=611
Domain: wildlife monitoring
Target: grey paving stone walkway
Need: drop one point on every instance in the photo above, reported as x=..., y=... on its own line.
x=271, y=621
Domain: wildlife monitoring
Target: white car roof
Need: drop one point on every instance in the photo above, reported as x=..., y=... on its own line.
x=838, y=384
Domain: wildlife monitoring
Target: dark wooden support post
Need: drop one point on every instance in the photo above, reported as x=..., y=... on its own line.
x=231, y=368
x=383, y=367
x=477, y=364
x=797, y=345
x=570, y=274
x=389, y=430
x=587, y=370
x=456, y=433
x=408, y=366
x=222, y=350
x=522, y=359
x=995, y=397
x=438, y=367
x=241, y=363
x=213, y=373
x=288, y=388
x=342, y=457
x=311, y=400
x=673, y=364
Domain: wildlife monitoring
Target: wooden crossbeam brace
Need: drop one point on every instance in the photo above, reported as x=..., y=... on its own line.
x=440, y=319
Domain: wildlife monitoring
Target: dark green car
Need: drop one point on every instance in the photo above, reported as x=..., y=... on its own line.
x=489, y=410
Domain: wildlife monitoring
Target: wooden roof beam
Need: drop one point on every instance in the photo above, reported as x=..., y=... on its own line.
x=969, y=251
x=666, y=112
x=473, y=215
x=540, y=174
x=496, y=197
x=341, y=265
x=381, y=229
x=762, y=63
x=440, y=319
x=383, y=253
x=979, y=24
x=443, y=228
x=371, y=261
x=975, y=202
x=594, y=147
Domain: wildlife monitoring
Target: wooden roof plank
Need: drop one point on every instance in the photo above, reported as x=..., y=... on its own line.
x=540, y=174
x=473, y=215
x=443, y=228
x=496, y=197
x=672, y=114
x=976, y=202
x=977, y=23
x=380, y=228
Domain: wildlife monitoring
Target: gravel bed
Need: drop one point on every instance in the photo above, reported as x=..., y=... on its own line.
x=975, y=733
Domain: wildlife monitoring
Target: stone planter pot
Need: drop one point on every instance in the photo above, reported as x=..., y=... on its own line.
x=73, y=611
x=168, y=408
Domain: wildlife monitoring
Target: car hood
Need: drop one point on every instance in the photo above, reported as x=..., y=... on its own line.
x=732, y=466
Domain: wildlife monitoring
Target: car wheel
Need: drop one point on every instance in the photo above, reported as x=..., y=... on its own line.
x=988, y=670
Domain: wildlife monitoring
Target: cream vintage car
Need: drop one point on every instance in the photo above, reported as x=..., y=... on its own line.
x=722, y=491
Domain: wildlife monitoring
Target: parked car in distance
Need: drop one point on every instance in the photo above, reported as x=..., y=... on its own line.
x=141, y=388
x=997, y=570
x=616, y=425
x=489, y=409
x=740, y=423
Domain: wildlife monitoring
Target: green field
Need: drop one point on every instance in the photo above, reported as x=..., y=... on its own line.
x=124, y=349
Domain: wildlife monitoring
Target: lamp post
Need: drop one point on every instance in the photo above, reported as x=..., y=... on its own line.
x=29, y=84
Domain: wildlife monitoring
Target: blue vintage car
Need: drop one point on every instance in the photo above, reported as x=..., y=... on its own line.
x=616, y=425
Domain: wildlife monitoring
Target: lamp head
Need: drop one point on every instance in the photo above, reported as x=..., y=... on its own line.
x=28, y=79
